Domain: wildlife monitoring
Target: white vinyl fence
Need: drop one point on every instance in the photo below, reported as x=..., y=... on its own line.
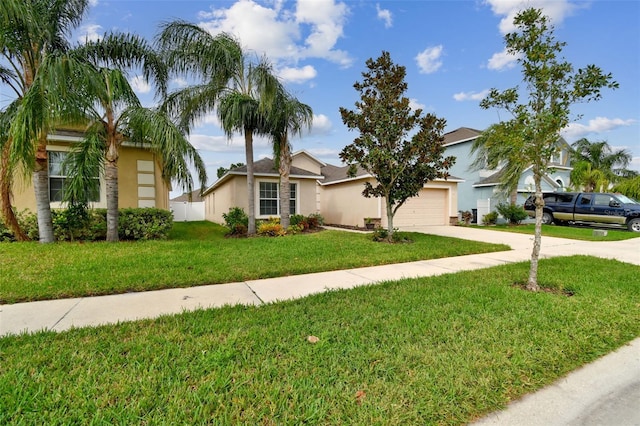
x=184, y=211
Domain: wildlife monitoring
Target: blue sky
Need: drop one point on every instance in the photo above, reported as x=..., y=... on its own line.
x=452, y=50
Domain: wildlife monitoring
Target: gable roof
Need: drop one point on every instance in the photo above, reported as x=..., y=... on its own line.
x=461, y=134
x=496, y=179
x=265, y=167
x=336, y=174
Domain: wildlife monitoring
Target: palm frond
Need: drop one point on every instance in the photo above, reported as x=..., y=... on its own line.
x=84, y=163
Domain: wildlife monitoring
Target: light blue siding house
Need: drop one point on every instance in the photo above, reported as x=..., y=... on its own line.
x=479, y=192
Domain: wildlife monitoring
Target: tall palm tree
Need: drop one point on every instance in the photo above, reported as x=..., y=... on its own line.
x=288, y=115
x=30, y=31
x=596, y=164
x=113, y=114
x=239, y=90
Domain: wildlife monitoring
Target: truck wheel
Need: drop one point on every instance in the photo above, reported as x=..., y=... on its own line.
x=634, y=225
x=547, y=218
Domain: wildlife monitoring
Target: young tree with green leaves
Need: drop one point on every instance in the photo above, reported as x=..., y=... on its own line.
x=552, y=87
x=400, y=148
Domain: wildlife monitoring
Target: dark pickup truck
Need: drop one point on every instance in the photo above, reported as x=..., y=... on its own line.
x=589, y=207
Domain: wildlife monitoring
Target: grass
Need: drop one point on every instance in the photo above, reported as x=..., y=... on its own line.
x=442, y=350
x=572, y=232
x=198, y=254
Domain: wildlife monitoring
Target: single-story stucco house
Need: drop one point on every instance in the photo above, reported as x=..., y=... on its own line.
x=140, y=182
x=317, y=187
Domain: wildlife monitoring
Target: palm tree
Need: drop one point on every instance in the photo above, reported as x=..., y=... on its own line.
x=239, y=90
x=500, y=147
x=597, y=165
x=113, y=114
x=287, y=115
x=30, y=31
x=6, y=167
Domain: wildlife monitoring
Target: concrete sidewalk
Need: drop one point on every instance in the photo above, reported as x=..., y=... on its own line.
x=63, y=314
x=606, y=392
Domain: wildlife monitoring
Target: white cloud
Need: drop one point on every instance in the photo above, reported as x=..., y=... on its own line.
x=502, y=60
x=429, y=59
x=556, y=10
x=385, y=15
x=214, y=143
x=139, y=84
x=471, y=96
x=93, y=3
x=297, y=75
x=278, y=32
x=596, y=125
x=90, y=32
x=414, y=104
x=321, y=125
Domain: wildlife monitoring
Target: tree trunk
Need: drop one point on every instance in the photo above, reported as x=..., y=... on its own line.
x=41, y=190
x=6, y=211
x=248, y=148
x=111, y=183
x=285, y=190
x=389, y=219
x=532, y=282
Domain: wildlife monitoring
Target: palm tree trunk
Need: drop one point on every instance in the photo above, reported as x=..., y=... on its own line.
x=6, y=211
x=111, y=183
x=41, y=190
x=251, y=205
x=285, y=189
x=532, y=282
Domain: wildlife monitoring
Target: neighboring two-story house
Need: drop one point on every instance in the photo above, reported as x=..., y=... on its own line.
x=479, y=192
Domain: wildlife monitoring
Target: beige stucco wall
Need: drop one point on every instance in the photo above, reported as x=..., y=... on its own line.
x=232, y=193
x=303, y=161
x=344, y=204
x=140, y=182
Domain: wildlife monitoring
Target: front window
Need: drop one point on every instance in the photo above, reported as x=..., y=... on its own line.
x=269, y=203
x=58, y=178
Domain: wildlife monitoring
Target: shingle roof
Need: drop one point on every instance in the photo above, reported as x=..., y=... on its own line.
x=461, y=134
x=195, y=197
x=333, y=173
x=267, y=166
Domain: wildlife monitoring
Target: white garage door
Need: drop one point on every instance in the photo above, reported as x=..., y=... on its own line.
x=430, y=208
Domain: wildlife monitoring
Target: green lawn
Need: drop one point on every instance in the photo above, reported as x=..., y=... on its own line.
x=572, y=232
x=442, y=350
x=197, y=254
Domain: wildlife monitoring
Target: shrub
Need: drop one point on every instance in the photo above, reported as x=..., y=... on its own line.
x=271, y=228
x=299, y=220
x=490, y=218
x=315, y=220
x=236, y=220
x=514, y=214
x=91, y=225
x=144, y=224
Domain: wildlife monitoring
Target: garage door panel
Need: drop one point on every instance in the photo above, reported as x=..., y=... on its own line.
x=430, y=208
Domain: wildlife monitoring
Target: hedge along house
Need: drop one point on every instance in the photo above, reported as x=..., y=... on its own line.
x=322, y=188
x=140, y=182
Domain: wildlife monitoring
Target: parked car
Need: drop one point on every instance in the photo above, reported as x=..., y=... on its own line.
x=587, y=207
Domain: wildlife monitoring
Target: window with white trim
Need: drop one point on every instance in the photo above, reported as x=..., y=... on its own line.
x=57, y=177
x=269, y=198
